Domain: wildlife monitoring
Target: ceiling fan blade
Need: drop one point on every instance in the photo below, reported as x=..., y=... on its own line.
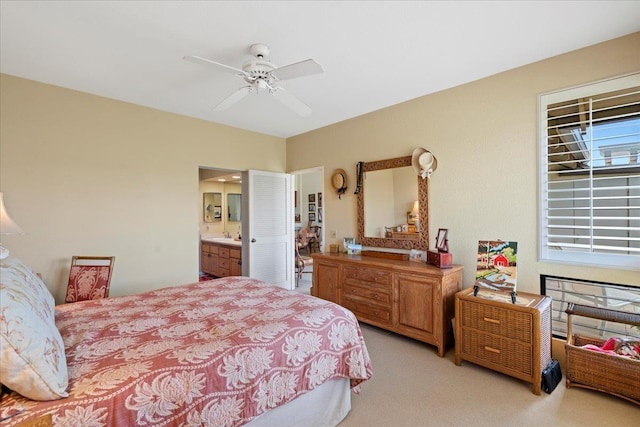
x=219, y=66
x=299, y=69
x=291, y=101
x=233, y=98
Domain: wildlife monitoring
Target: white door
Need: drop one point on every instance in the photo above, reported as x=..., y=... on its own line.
x=267, y=228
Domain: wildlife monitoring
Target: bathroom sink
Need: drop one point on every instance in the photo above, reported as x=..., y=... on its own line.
x=225, y=240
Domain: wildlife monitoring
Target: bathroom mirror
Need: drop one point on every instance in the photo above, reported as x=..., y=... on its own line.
x=389, y=190
x=212, y=206
x=234, y=202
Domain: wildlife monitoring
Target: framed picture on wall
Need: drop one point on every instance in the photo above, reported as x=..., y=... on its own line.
x=319, y=214
x=319, y=200
x=297, y=219
x=312, y=207
x=312, y=216
x=312, y=198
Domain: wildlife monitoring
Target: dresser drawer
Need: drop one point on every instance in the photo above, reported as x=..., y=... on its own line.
x=373, y=294
x=223, y=252
x=496, y=320
x=499, y=351
x=380, y=277
x=235, y=253
x=367, y=311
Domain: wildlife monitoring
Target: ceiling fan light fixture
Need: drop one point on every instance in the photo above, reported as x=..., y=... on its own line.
x=261, y=74
x=262, y=84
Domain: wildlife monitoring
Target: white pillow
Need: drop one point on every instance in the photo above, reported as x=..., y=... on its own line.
x=32, y=359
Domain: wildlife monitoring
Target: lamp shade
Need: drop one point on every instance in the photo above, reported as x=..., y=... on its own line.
x=415, y=212
x=7, y=225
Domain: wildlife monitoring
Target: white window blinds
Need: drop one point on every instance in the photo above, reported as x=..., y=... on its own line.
x=590, y=174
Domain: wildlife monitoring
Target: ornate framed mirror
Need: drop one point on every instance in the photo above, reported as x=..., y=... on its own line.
x=385, y=203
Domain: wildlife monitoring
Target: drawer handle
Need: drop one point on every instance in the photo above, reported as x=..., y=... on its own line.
x=496, y=321
x=492, y=350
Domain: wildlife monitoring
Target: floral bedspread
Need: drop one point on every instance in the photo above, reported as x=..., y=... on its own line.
x=215, y=353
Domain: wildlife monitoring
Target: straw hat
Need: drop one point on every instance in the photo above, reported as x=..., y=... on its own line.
x=423, y=162
x=339, y=181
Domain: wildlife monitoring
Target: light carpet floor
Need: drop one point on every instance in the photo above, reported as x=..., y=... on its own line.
x=412, y=386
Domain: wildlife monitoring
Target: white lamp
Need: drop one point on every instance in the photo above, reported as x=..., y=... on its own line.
x=415, y=214
x=7, y=226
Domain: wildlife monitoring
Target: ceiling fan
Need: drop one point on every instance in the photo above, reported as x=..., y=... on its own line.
x=262, y=75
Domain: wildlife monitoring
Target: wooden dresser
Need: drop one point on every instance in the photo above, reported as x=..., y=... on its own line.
x=220, y=260
x=410, y=298
x=514, y=339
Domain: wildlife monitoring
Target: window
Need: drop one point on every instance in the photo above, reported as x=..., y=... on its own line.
x=563, y=291
x=590, y=174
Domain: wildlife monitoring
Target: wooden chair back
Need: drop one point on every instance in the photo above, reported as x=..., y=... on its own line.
x=89, y=277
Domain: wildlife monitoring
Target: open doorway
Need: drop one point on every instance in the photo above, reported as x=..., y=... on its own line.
x=246, y=225
x=309, y=211
x=220, y=208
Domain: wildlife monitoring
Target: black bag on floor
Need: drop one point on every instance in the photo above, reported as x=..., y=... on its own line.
x=551, y=376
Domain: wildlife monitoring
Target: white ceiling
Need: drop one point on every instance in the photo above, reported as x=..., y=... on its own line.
x=375, y=54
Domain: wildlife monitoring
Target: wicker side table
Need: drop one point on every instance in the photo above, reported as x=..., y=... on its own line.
x=514, y=339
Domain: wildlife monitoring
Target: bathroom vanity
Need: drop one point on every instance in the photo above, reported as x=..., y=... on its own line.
x=221, y=257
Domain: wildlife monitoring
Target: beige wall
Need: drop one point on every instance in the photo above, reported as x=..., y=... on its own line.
x=87, y=175
x=83, y=174
x=484, y=135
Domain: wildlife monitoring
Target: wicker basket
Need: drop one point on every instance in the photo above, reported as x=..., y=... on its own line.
x=616, y=375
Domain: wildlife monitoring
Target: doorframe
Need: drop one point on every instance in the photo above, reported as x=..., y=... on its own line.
x=314, y=169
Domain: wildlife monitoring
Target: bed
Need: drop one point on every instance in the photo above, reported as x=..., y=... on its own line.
x=226, y=352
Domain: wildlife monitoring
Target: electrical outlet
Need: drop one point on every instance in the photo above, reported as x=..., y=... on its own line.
x=333, y=234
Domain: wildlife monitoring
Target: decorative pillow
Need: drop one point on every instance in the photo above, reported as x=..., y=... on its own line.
x=88, y=282
x=32, y=358
x=628, y=347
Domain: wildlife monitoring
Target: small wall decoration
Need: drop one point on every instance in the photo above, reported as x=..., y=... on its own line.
x=319, y=214
x=312, y=216
x=496, y=267
x=297, y=218
x=319, y=200
x=312, y=198
x=423, y=162
x=339, y=181
x=359, y=173
x=312, y=207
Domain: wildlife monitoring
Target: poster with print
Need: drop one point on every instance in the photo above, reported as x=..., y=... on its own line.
x=497, y=265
